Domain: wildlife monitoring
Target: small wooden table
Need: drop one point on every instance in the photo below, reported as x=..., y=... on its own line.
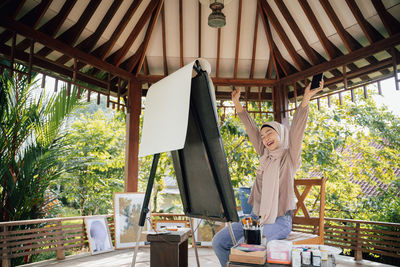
x=169, y=249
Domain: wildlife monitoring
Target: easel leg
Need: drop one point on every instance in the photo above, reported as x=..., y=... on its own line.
x=194, y=242
x=137, y=246
x=232, y=235
x=145, y=206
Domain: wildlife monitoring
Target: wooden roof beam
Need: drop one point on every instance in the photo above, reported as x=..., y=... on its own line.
x=164, y=41
x=345, y=59
x=104, y=50
x=88, y=44
x=117, y=58
x=274, y=52
x=180, y=34
x=237, y=39
x=253, y=55
x=33, y=18
x=12, y=7
x=348, y=40
x=331, y=50
x=45, y=63
x=52, y=26
x=300, y=62
x=218, y=51
x=310, y=52
x=216, y=81
x=54, y=44
x=370, y=32
x=199, y=8
x=149, y=31
x=70, y=36
x=392, y=25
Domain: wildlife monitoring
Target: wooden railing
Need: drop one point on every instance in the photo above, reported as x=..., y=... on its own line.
x=21, y=238
x=379, y=238
x=25, y=238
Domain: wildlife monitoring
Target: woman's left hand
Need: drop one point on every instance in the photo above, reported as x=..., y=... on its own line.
x=310, y=93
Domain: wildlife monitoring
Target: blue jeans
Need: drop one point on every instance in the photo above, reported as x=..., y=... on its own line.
x=222, y=241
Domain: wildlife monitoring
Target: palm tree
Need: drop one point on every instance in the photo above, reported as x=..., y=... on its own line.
x=30, y=142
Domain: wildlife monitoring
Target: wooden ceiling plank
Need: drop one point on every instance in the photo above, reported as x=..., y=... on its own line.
x=149, y=31
x=346, y=59
x=370, y=32
x=253, y=56
x=33, y=18
x=88, y=44
x=55, y=44
x=348, y=40
x=180, y=34
x=392, y=25
x=300, y=63
x=52, y=26
x=104, y=50
x=119, y=55
x=130, y=63
x=274, y=54
x=331, y=50
x=311, y=54
x=164, y=41
x=71, y=35
x=218, y=51
x=237, y=40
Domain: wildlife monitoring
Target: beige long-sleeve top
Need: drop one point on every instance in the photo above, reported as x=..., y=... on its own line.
x=290, y=161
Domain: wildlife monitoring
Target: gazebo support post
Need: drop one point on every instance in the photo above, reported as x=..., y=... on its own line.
x=132, y=136
x=280, y=104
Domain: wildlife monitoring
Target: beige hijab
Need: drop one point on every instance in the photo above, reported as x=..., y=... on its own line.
x=268, y=172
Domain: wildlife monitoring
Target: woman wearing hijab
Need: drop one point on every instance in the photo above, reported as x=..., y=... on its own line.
x=272, y=194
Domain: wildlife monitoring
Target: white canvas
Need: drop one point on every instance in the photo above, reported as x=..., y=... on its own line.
x=98, y=234
x=167, y=110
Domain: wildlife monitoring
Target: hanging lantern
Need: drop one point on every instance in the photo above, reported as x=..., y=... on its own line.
x=216, y=19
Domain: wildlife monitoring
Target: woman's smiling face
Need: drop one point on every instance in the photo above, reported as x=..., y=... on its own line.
x=270, y=138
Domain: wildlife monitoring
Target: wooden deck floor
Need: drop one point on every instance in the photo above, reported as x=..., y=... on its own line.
x=123, y=258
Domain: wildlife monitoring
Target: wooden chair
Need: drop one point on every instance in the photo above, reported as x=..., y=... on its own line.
x=307, y=229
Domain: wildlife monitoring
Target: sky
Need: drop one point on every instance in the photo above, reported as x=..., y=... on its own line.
x=391, y=97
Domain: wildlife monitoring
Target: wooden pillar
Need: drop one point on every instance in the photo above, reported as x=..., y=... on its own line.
x=280, y=104
x=132, y=136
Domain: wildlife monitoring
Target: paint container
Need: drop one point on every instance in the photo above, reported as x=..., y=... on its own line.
x=296, y=258
x=252, y=236
x=324, y=258
x=316, y=257
x=306, y=257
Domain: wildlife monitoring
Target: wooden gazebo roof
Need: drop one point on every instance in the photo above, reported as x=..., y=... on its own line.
x=104, y=45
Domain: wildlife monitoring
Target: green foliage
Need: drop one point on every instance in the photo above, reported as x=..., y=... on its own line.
x=95, y=159
x=30, y=141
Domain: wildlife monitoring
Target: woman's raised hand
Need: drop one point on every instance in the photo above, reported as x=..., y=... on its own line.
x=310, y=93
x=235, y=100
